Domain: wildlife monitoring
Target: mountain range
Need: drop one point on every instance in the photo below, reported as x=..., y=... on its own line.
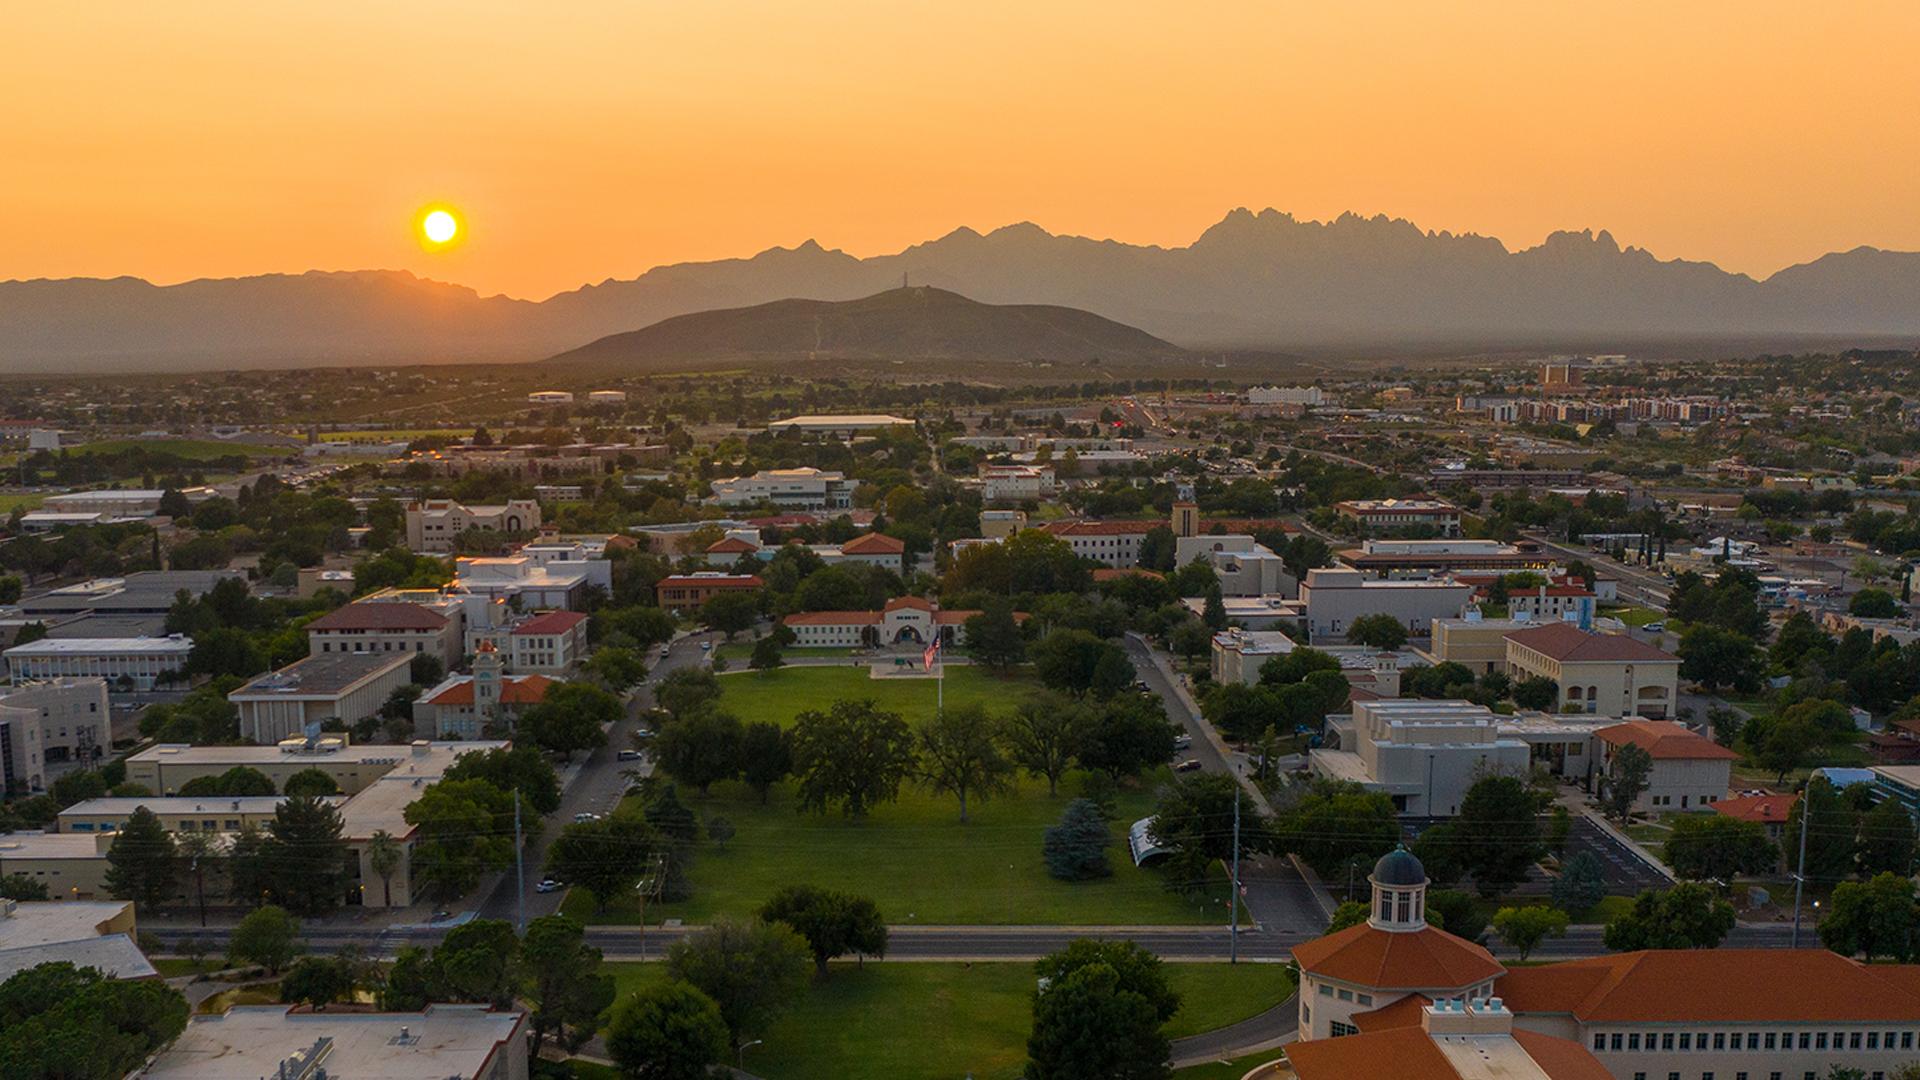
x=910, y=322
x=1264, y=281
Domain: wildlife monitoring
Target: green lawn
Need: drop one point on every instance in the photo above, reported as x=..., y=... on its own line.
x=739, y=652
x=1634, y=616
x=911, y=1021
x=783, y=694
x=918, y=863
x=191, y=449
x=1227, y=1070
x=173, y=966
x=25, y=501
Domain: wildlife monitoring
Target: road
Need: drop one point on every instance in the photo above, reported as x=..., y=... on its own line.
x=596, y=788
x=1637, y=585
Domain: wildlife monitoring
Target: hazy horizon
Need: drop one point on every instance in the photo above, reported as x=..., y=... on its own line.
x=598, y=140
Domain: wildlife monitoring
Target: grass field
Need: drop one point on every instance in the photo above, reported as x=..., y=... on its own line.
x=911, y=1021
x=785, y=693
x=25, y=501
x=1634, y=616
x=1227, y=1070
x=393, y=434
x=191, y=449
x=918, y=863
x=739, y=652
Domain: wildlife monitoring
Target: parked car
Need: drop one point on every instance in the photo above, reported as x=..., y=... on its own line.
x=585, y=816
x=628, y=755
x=548, y=885
x=706, y=646
x=1182, y=742
x=1189, y=765
x=1654, y=627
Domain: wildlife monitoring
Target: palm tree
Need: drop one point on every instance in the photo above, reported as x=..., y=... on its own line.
x=383, y=855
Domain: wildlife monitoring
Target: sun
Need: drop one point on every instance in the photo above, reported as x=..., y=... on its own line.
x=439, y=227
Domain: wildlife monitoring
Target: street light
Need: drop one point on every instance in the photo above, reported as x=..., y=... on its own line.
x=740, y=1057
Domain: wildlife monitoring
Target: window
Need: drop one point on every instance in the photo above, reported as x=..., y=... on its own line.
x=1853, y=1041
x=1820, y=1040
x=1806, y=1040
x=1614, y=1041
x=1719, y=1040
x=1633, y=1041
x=1346, y=995
x=1666, y=1043
x=1769, y=1040
x=1337, y=1029
x=1364, y=999
x=1686, y=1040
x=1599, y=1042
x=1873, y=1040
x=1327, y=991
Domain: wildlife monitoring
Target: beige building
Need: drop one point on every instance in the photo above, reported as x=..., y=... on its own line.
x=1478, y=644
x=1334, y=598
x=98, y=934
x=177, y=813
x=1607, y=674
x=443, y=1042
x=388, y=627
x=1690, y=772
x=162, y=769
x=51, y=723
x=73, y=866
x=433, y=524
x=348, y=687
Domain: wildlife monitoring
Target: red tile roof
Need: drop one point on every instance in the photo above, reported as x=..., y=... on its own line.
x=1409, y=1053
x=873, y=544
x=552, y=622
x=1665, y=740
x=1101, y=528
x=381, y=615
x=1717, y=986
x=1110, y=573
x=720, y=581
x=1405, y=1012
x=918, y=603
x=514, y=690
x=731, y=545
x=1428, y=959
x=1765, y=809
x=1566, y=642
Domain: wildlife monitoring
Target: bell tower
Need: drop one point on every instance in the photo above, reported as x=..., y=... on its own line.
x=1399, y=893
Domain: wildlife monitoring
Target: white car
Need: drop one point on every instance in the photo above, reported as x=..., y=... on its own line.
x=549, y=885
x=585, y=816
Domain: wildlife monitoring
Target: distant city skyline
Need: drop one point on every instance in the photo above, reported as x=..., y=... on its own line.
x=598, y=140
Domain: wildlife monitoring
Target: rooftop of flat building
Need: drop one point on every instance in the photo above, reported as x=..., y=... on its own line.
x=47, y=922
x=321, y=675
x=251, y=1041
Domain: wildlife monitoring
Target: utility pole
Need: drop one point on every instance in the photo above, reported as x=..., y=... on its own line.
x=519, y=870
x=1800, y=867
x=1233, y=898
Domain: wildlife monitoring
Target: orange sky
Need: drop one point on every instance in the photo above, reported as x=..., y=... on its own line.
x=585, y=140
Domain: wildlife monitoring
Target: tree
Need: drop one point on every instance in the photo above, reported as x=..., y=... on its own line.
x=1044, y=735
x=311, y=783
x=719, y=830
x=1380, y=631
x=731, y=611
x=994, y=638
x=142, y=863
x=1874, y=604
x=78, y=786
x=1099, y=1016
x=569, y=985
x=479, y=961
x=960, y=755
x=1832, y=833
x=1457, y=913
x=676, y=830
x=318, y=981
x=10, y=588
x=617, y=668
x=1535, y=692
x=1714, y=657
x=668, y=1031
x=683, y=691
x=68, y=1023
x=1873, y=918
x=766, y=654
x=853, y=755
x=463, y=829
x=519, y=768
x=1349, y=914
x=239, y=782
x=700, y=749
x=1127, y=734
x=1714, y=847
x=1685, y=916
x=1190, y=638
x=1078, y=663
x=1786, y=744
x=1498, y=833
x=307, y=855
x=606, y=857
x=1626, y=779
x=1337, y=824
x=1076, y=848
x=1886, y=840
x=766, y=756
x=383, y=858
x=22, y=887
x=573, y=716
x=1196, y=813
x=1213, y=611
x=1581, y=884
x=752, y=971
x=268, y=936
x=833, y=923
x=1524, y=928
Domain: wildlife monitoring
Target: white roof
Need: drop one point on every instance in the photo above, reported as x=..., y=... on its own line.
x=179, y=646
x=45, y=922
x=248, y=1042
x=114, y=955
x=842, y=420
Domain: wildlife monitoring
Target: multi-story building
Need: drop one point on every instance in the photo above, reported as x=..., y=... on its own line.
x=904, y=620
x=683, y=592
x=1244, y=566
x=387, y=627
x=1400, y=515
x=1389, y=557
x=101, y=935
x=1285, y=395
x=118, y=503
x=1574, y=604
x=50, y=723
x=1608, y=674
x=840, y=426
x=804, y=488
x=1015, y=483
x=1334, y=598
x=133, y=663
x=462, y=706
x=433, y=524
x=1113, y=543
x=1479, y=644
x=535, y=581
x=551, y=642
x=347, y=687
x=1424, y=754
x=1690, y=771
x=146, y=592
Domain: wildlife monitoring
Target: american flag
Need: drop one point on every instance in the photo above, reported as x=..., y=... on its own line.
x=932, y=654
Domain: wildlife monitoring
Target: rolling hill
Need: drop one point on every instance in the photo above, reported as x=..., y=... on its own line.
x=903, y=323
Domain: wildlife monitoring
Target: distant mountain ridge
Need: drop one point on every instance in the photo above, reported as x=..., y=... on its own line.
x=910, y=322
x=1251, y=281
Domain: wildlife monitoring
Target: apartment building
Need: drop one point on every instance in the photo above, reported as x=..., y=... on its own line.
x=1400, y=515
x=49, y=723
x=433, y=524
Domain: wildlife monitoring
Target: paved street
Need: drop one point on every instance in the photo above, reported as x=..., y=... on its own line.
x=596, y=788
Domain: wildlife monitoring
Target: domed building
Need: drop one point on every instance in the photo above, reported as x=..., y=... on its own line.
x=1393, y=956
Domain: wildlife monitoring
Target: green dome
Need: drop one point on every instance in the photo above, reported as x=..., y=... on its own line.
x=1399, y=867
